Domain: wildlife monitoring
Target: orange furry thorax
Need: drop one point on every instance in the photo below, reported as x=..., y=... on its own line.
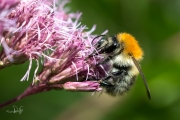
x=131, y=46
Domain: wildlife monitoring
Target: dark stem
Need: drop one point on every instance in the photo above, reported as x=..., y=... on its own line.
x=32, y=89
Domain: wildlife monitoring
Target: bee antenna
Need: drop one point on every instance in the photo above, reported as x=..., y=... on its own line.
x=96, y=38
x=143, y=77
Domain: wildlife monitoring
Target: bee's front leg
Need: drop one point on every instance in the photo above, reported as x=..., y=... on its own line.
x=115, y=76
x=107, y=81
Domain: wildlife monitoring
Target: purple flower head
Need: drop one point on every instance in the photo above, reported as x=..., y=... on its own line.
x=36, y=30
x=47, y=34
x=82, y=86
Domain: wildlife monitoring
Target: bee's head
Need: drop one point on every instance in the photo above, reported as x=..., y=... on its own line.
x=106, y=44
x=120, y=43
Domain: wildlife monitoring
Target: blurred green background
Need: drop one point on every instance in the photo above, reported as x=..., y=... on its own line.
x=156, y=25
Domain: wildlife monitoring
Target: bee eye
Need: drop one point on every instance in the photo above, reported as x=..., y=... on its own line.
x=112, y=46
x=100, y=42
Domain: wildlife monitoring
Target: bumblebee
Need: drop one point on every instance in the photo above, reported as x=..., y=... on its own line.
x=123, y=53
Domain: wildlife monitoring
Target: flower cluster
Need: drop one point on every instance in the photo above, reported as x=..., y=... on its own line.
x=38, y=30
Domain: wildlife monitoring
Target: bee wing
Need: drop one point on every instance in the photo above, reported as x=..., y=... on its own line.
x=143, y=77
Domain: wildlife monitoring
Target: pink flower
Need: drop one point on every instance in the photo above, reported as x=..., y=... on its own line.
x=55, y=37
x=82, y=86
x=57, y=41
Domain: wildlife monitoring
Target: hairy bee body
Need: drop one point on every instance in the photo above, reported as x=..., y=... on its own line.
x=123, y=53
x=120, y=80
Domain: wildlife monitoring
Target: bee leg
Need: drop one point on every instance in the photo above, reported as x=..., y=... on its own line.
x=107, y=81
x=119, y=72
x=111, y=80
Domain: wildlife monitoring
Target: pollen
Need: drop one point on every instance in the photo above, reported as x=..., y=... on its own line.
x=131, y=46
